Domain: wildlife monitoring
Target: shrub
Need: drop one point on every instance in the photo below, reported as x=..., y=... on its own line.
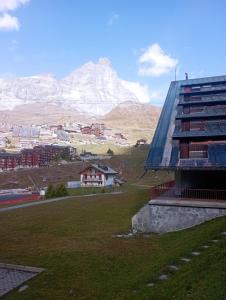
x=110, y=152
x=50, y=193
x=61, y=191
x=58, y=191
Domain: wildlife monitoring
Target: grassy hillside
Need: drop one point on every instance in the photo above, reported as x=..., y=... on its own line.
x=135, y=120
x=75, y=241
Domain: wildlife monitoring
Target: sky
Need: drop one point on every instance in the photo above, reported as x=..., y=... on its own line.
x=145, y=40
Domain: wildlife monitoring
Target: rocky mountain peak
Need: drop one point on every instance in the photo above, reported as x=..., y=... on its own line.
x=94, y=88
x=104, y=61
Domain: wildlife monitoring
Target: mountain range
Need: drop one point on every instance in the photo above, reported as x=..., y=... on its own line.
x=94, y=89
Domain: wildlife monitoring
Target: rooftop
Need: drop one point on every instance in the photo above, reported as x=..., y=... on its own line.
x=102, y=168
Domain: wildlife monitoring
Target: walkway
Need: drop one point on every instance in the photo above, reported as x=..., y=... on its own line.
x=54, y=200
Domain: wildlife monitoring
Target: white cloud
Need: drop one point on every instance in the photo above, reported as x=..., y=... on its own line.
x=155, y=62
x=7, y=5
x=142, y=92
x=8, y=22
x=113, y=19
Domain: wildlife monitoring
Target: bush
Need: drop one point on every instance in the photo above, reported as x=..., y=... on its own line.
x=61, y=191
x=110, y=152
x=50, y=193
x=58, y=191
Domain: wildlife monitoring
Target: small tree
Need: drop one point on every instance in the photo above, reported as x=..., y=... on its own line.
x=110, y=152
x=61, y=191
x=50, y=193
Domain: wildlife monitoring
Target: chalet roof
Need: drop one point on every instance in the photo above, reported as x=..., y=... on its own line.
x=102, y=168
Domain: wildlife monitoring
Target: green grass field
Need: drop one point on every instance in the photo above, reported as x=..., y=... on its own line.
x=91, y=190
x=74, y=240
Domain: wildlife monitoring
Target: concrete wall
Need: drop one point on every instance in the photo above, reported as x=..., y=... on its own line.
x=160, y=216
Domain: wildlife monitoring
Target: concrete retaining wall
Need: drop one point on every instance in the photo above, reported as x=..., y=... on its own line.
x=162, y=216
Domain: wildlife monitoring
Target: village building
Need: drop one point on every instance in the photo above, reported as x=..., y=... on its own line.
x=97, y=175
x=9, y=161
x=94, y=129
x=39, y=156
x=86, y=155
x=141, y=142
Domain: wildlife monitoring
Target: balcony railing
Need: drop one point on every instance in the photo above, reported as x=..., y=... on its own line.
x=206, y=112
x=91, y=179
x=203, y=89
x=202, y=99
x=157, y=191
x=166, y=191
x=198, y=162
x=206, y=130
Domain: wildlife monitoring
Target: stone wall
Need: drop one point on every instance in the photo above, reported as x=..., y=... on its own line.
x=161, y=216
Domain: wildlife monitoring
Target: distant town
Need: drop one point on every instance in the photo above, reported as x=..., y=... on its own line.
x=38, y=145
x=17, y=137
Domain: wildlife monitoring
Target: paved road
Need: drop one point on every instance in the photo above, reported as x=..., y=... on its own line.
x=53, y=200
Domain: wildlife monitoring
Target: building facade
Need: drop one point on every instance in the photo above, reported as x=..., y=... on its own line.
x=39, y=156
x=191, y=134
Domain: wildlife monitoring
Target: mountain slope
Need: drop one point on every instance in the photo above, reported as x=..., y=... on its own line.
x=136, y=120
x=37, y=113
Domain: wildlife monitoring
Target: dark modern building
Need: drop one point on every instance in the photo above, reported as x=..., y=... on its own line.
x=190, y=138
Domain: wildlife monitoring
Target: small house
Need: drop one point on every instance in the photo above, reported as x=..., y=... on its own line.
x=141, y=142
x=97, y=175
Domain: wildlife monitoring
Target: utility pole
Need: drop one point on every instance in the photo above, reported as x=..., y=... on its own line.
x=175, y=74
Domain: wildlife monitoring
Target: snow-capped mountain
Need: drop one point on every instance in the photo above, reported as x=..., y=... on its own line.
x=94, y=88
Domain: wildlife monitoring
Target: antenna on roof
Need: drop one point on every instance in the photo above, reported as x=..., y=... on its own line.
x=175, y=73
x=186, y=76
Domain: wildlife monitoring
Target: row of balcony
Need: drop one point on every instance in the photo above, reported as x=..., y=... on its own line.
x=206, y=130
x=203, y=89
x=185, y=100
x=204, y=112
x=91, y=179
x=200, y=155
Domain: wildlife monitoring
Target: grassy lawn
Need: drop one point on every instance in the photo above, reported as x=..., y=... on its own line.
x=91, y=190
x=74, y=240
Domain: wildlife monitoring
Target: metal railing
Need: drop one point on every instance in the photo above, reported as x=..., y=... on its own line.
x=203, y=98
x=168, y=190
x=158, y=190
x=203, y=112
x=216, y=88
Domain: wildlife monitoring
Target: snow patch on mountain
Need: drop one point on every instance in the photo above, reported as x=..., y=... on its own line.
x=94, y=88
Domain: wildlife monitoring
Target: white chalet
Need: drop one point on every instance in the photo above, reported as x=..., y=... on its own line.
x=97, y=175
